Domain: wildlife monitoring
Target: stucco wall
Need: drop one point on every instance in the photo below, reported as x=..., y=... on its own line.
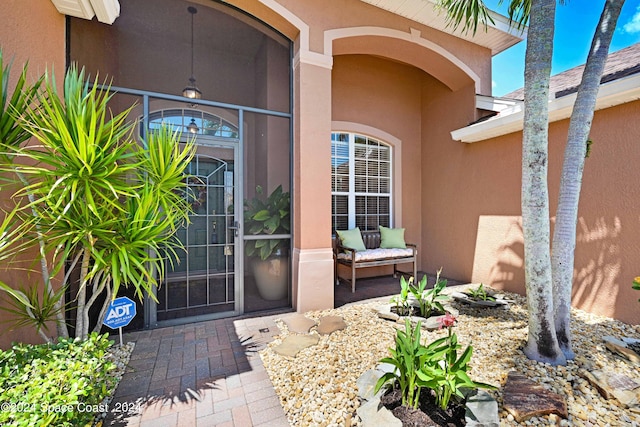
x=476, y=233
x=383, y=96
x=448, y=203
x=31, y=31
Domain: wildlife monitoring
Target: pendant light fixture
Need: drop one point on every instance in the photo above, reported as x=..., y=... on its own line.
x=193, y=127
x=191, y=90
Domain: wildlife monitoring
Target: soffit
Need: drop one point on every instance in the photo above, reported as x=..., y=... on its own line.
x=498, y=36
x=106, y=10
x=511, y=119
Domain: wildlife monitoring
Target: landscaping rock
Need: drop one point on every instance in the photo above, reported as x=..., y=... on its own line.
x=330, y=324
x=324, y=380
x=293, y=344
x=299, y=323
x=386, y=367
x=612, y=385
x=384, y=312
x=524, y=399
x=374, y=414
x=432, y=323
x=464, y=298
x=451, y=310
x=614, y=340
x=482, y=410
x=623, y=351
x=367, y=383
x=628, y=341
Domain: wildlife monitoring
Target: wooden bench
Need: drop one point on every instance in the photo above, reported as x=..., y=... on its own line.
x=372, y=257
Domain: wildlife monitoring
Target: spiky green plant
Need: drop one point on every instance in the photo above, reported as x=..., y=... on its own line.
x=103, y=201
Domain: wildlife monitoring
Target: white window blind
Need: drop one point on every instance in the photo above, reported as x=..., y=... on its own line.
x=360, y=182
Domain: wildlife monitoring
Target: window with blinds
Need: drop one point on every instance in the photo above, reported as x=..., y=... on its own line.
x=360, y=182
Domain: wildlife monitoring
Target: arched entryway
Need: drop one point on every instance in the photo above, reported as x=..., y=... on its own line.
x=241, y=123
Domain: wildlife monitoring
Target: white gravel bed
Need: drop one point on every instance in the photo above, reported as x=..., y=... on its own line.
x=318, y=386
x=120, y=355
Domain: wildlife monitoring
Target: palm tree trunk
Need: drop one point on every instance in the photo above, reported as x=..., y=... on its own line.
x=564, y=236
x=542, y=344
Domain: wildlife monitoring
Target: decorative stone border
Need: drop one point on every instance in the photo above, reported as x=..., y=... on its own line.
x=465, y=298
x=481, y=408
x=429, y=324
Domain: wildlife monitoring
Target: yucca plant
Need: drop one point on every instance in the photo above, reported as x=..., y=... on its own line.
x=103, y=202
x=12, y=135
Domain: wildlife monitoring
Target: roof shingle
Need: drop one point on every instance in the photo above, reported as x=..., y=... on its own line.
x=621, y=63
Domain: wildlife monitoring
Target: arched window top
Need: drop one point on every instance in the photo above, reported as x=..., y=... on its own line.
x=193, y=121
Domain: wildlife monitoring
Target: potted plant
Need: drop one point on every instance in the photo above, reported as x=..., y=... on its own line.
x=269, y=257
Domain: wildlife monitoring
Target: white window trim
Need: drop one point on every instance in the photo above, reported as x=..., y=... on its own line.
x=396, y=159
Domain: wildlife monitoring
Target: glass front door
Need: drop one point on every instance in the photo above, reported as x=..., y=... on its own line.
x=203, y=282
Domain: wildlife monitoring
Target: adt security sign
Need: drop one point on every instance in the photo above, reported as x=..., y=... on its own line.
x=120, y=312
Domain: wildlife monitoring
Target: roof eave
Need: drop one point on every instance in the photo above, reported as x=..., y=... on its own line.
x=106, y=10
x=610, y=94
x=499, y=35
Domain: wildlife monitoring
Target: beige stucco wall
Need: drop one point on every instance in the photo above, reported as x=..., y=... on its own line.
x=475, y=231
x=30, y=31
x=377, y=63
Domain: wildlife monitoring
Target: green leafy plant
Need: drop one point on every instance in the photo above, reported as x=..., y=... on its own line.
x=100, y=202
x=401, y=300
x=480, y=293
x=430, y=301
x=267, y=216
x=61, y=384
x=408, y=357
x=446, y=373
x=636, y=284
x=435, y=366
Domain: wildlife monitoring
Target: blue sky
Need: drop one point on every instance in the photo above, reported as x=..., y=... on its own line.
x=576, y=21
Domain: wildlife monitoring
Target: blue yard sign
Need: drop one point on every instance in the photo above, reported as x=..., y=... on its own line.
x=120, y=312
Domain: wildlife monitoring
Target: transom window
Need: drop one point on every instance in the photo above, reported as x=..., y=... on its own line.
x=360, y=182
x=193, y=121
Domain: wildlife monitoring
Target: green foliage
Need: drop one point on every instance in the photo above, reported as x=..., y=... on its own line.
x=96, y=195
x=480, y=293
x=430, y=301
x=11, y=132
x=30, y=306
x=468, y=13
x=446, y=373
x=636, y=284
x=408, y=357
x=401, y=301
x=270, y=216
x=435, y=366
x=60, y=384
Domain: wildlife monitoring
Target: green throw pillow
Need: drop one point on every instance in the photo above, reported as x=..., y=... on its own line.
x=351, y=239
x=392, y=238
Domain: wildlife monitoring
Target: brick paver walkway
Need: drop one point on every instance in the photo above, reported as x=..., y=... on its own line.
x=200, y=374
